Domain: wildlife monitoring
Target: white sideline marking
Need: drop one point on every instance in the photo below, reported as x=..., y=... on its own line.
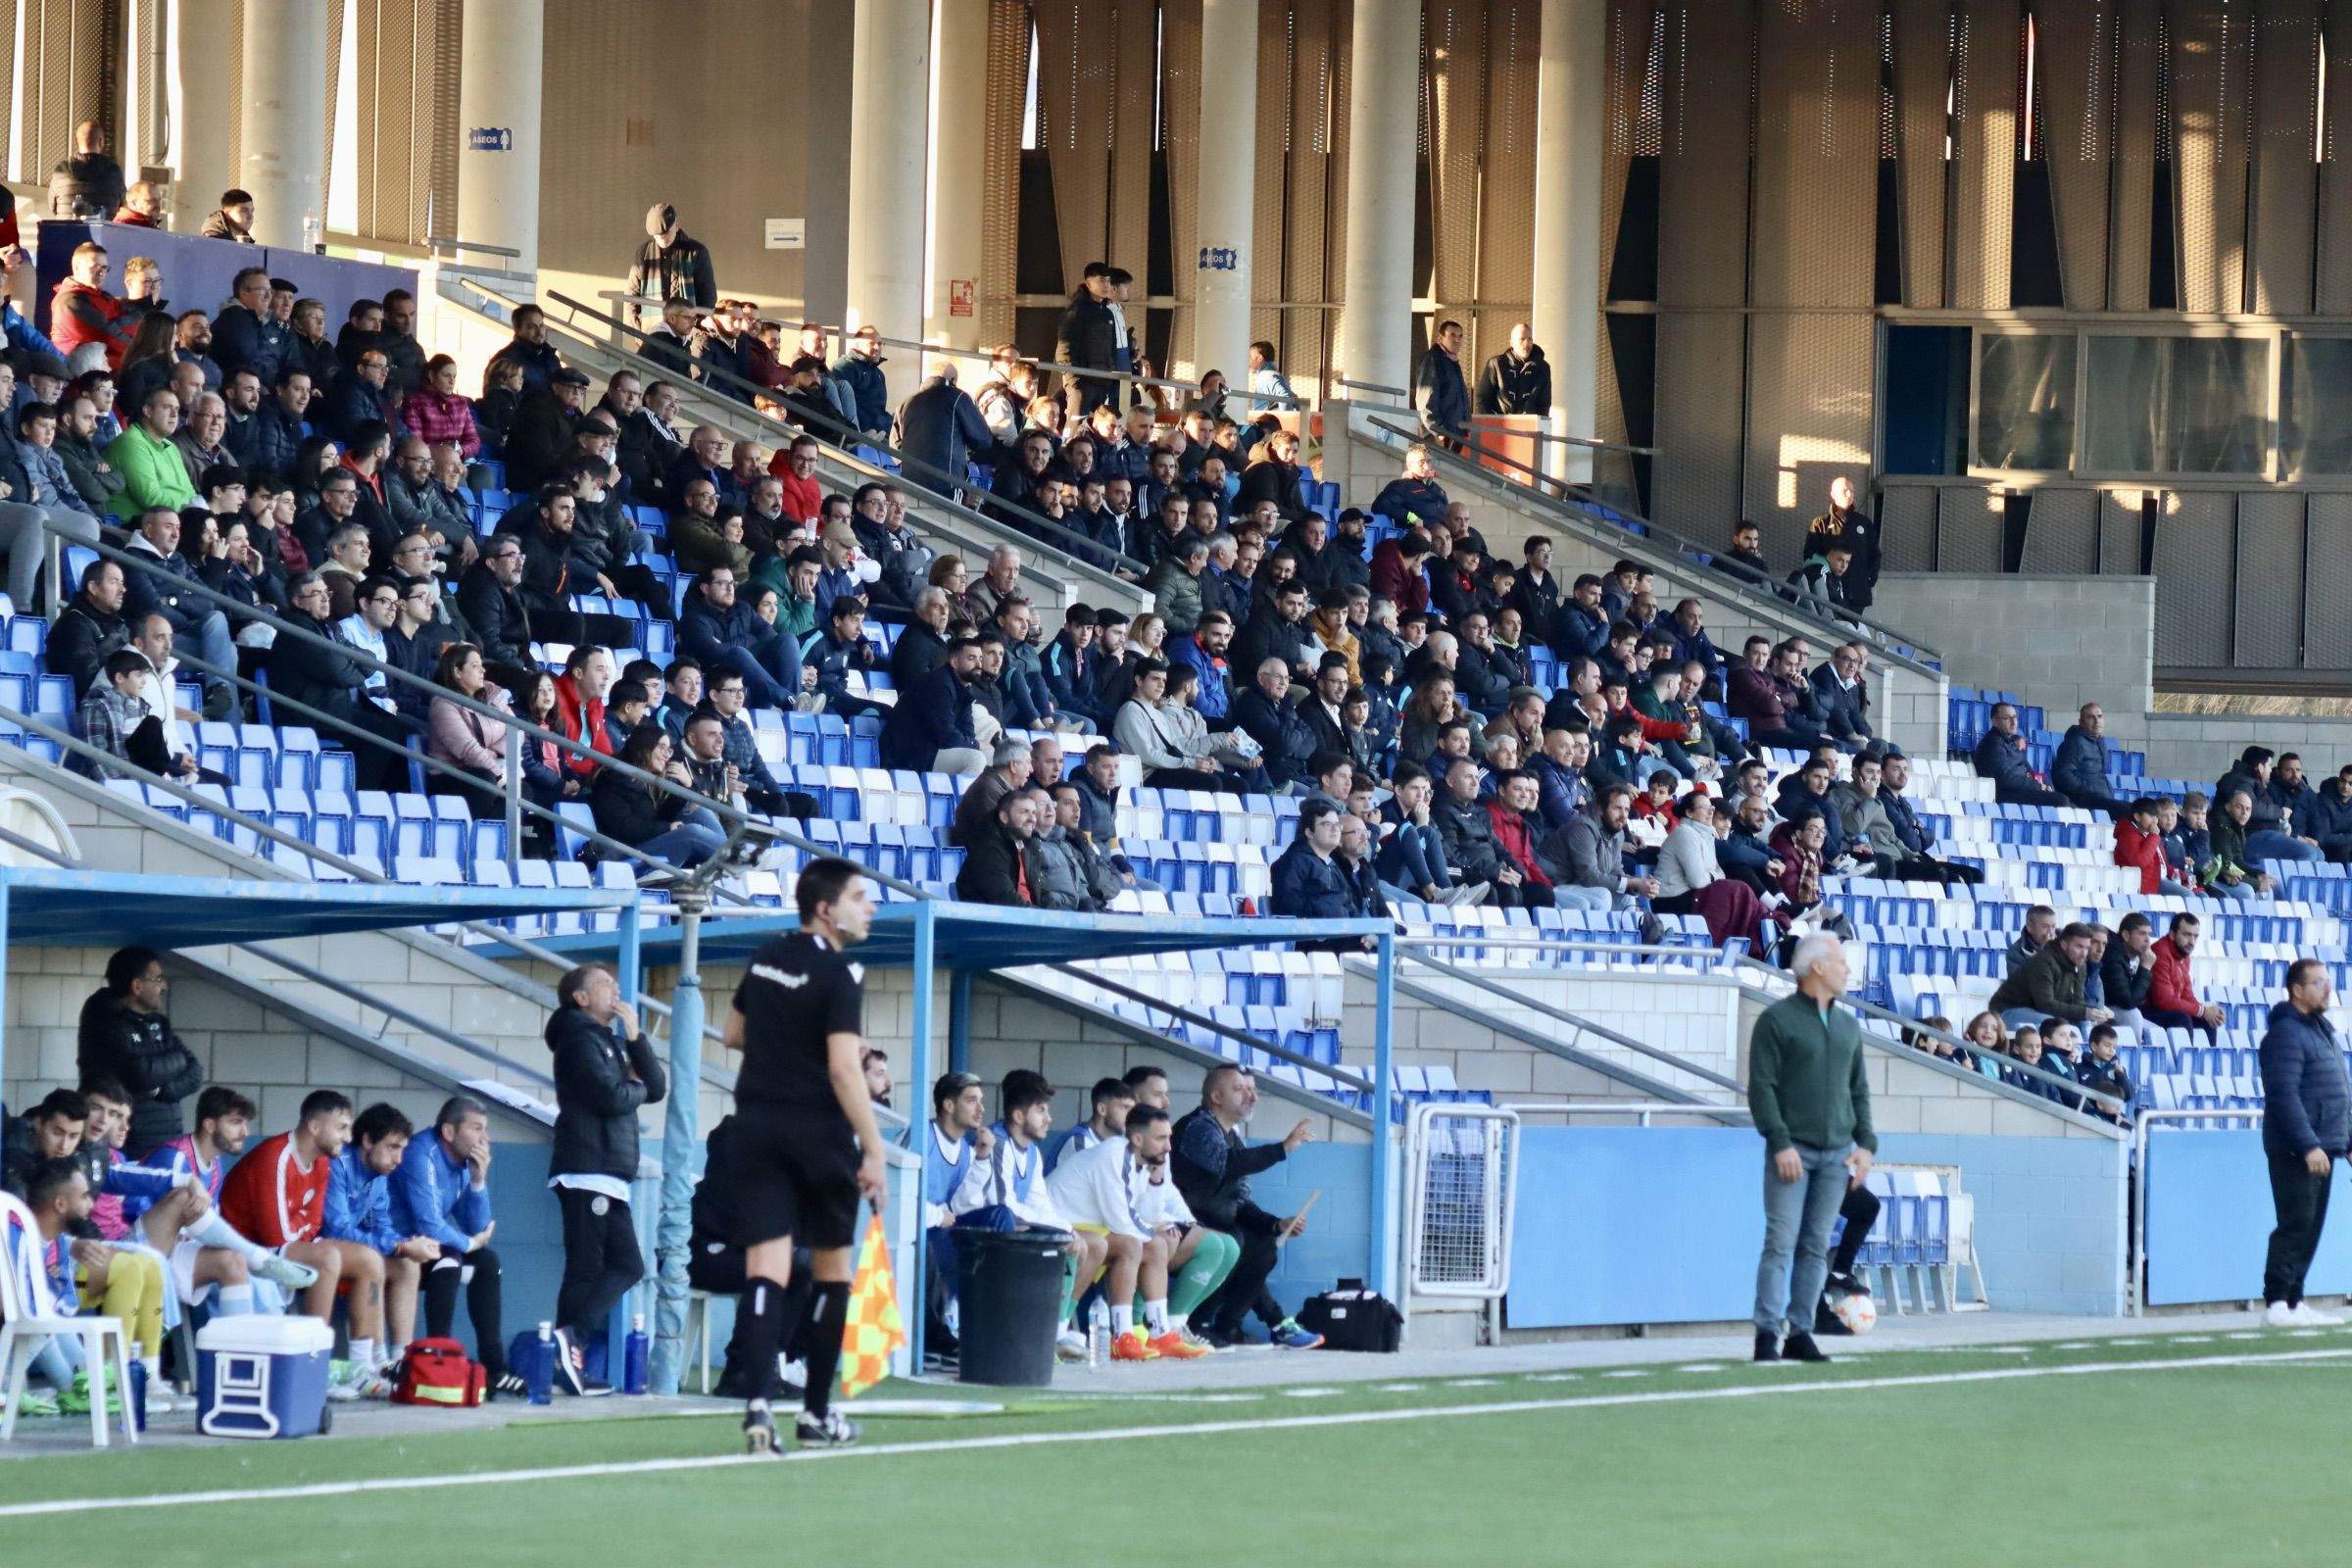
x=1029, y=1439
x=1471, y=1382
x=1700, y=1366
x=1628, y=1372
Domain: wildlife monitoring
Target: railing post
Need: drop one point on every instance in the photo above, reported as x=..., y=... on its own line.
x=681, y=1142
x=513, y=788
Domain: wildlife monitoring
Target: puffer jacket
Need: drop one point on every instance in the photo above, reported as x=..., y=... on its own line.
x=2304, y=1087
x=596, y=1098
x=140, y=1051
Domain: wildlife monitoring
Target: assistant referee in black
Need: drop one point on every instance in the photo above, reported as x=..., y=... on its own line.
x=805, y=1148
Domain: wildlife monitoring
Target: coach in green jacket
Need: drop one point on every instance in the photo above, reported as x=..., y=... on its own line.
x=1810, y=1100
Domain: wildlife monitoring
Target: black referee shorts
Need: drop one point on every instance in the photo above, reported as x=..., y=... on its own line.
x=792, y=1174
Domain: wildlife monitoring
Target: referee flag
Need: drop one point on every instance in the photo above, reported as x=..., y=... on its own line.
x=874, y=1329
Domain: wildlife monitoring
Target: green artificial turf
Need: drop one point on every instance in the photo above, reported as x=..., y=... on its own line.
x=2236, y=1463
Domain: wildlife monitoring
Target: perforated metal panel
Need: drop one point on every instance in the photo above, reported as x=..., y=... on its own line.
x=1702, y=176
x=1311, y=217
x=2327, y=567
x=1335, y=228
x=1808, y=416
x=2333, y=290
x=1453, y=88
x=407, y=119
x=2138, y=64
x=2120, y=512
x=1922, y=79
x=2194, y=552
x=1984, y=106
x=2212, y=60
x=2062, y=531
x=1269, y=221
x=2076, y=43
x=1180, y=104
x=1134, y=91
x=1695, y=484
x=1812, y=241
x=1968, y=528
x=1077, y=51
x=1631, y=24
x=2280, y=226
x=1001, y=203
x=1506, y=235
x=66, y=75
x=1906, y=526
x=2269, y=587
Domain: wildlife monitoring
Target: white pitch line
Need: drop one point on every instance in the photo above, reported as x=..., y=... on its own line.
x=1030, y=1440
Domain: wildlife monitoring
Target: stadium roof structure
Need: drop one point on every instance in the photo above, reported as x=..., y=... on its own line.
x=57, y=907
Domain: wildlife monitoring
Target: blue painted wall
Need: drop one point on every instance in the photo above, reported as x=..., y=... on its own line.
x=1338, y=1240
x=1662, y=1225
x=2210, y=1218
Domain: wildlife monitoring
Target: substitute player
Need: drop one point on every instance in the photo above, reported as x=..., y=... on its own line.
x=805, y=1148
x=1120, y=1189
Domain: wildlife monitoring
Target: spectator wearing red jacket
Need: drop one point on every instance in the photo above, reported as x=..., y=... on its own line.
x=1513, y=810
x=81, y=312
x=796, y=467
x=1398, y=575
x=276, y=1196
x=2171, y=997
x=2139, y=846
x=588, y=675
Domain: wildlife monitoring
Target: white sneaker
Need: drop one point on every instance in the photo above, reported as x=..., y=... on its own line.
x=158, y=1398
x=1070, y=1345
x=2278, y=1315
x=2307, y=1316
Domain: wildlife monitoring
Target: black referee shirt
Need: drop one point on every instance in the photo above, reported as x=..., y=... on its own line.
x=797, y=991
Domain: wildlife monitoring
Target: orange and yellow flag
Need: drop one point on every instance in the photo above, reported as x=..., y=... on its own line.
x=874, y=1329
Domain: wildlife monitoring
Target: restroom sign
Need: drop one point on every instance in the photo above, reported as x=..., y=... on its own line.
x=490, y=139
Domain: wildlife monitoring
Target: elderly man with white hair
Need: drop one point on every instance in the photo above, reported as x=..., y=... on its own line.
x=1811, y=1103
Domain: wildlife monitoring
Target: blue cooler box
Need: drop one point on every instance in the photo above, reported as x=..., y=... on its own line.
x=262, y=1377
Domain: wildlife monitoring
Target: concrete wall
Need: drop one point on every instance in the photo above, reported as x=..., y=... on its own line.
x=2062, y=641
x=2201, y=748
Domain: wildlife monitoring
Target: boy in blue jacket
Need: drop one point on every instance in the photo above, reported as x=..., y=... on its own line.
x=359, y=1209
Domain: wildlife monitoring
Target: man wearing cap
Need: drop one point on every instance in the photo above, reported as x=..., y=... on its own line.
x=671, y=263
x=541, y=437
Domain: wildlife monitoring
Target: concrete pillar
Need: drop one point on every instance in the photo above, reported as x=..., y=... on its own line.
x=958, y=172
x=1226, y=203
x=1569, y=125
x=204, y=123
x=284, y=129
x=499, y=87
x=1376, y=325
x=889, y=93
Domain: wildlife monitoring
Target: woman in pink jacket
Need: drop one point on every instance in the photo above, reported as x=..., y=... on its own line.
x=466, y=738
x=437, y=412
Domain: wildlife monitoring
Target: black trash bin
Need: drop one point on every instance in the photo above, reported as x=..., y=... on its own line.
x=1008, y=1293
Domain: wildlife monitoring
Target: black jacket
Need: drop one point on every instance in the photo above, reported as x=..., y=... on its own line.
x=596, y=1098
x=2123, y=985
x=140, y=1051
x=81, y=638
x=1212, y=1167
x=1273, y=481
x=630, y=810
x=992, y=869
x=500, y=621
x=302, y=671
x=1087, y=337
x=539, y=441
x=1511, y=385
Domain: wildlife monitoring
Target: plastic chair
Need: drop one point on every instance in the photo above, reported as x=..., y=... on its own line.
x=32, y=1324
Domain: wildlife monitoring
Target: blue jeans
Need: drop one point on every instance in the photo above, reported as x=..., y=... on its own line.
x=2022, y=1018
x=694, y=838
x=212, y=643
x=763, y=687
x=2269, y=844
x=1798, y=1216
x=1593, y=901
x=2234, y=892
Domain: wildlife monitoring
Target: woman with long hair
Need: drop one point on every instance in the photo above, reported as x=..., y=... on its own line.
x=464, y=736
x=543, y=772
x=660, y=824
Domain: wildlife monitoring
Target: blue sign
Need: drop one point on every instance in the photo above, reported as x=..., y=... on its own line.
x=1220, y=259
x=490, y=139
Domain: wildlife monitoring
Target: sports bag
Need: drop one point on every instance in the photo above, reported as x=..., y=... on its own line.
x=1352, y=1318
x=438, y=1372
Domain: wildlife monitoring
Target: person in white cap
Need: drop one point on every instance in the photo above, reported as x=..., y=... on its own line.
x=671, y=263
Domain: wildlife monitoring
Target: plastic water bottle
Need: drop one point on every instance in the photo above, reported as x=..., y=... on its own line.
x=540, y=1375
x=634, y=1355
x=1098, y=1335
x=313, y=236
x=138, y=1394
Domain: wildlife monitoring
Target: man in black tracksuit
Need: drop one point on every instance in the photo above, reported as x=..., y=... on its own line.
x=600, y=1083
x=2308, y=1099
x=126, y=1036
x=1213, y=1167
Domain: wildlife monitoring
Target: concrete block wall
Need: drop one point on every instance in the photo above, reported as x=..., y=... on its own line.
x=2201, y=747
x=2060, y=640
x=1692, y=1018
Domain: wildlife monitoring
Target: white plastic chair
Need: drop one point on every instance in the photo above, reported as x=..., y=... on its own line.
x=31, y=1324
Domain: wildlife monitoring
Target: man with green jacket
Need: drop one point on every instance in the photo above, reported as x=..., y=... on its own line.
x=1811, y=1103
x=153, y=475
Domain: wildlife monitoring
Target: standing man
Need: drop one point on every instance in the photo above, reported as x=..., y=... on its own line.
x=601, y=1081
x=671, y=266
x=126, y=1036
x=1811, y=1101
x=1518, y=381
x=1088, y=339
x=2308, y=1097
x=1438, y=389
x=806, y=1149
x=1841, y=522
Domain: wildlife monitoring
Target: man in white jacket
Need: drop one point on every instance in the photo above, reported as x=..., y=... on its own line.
x=1121, y=1189
x=1006, y=1189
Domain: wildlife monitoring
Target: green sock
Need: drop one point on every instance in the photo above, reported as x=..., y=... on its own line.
x=1204, y=1272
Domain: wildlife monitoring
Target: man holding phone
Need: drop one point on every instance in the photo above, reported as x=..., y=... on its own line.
x=1213, y=1167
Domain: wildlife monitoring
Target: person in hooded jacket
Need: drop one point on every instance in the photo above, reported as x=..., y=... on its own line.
x=126, y=1036
x=1518, y=381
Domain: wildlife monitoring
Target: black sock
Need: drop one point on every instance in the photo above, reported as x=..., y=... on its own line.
x=759, y=1330
x=828, y=1311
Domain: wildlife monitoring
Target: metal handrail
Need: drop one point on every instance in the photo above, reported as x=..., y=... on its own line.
x=945, y=351
x=1644, y=1108
x=1871, y=1012
x=1182, y=1014
x=1889, y=641
x=2138, y=1279
x=1371, y=387
x=1027, y=517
